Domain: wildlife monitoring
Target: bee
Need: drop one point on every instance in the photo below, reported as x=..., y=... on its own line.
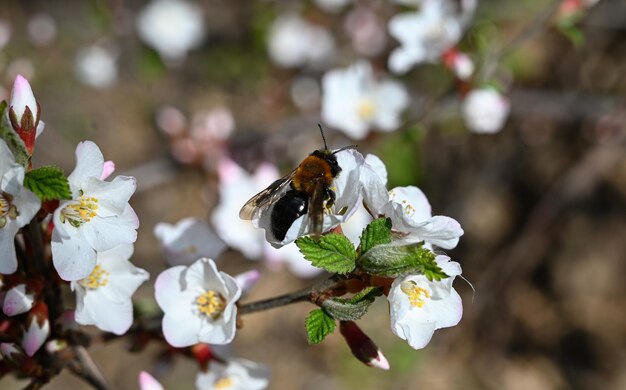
x=305, y=190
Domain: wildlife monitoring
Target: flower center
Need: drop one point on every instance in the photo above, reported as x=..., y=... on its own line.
x=99, y=277
x=211, y=303
x=417, y=295
x=366, y=109
x=80, y=210
x=223, y=383
x=7, y=210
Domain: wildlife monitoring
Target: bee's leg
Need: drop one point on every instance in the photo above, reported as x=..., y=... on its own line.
x=330, y=198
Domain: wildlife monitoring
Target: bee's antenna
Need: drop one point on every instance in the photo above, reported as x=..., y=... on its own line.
x=323, y=138
x=345, y=148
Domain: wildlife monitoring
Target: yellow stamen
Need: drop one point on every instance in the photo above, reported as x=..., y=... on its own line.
x=99, y=277
x=366, y=109
x=80, y=210
x=223, y=383
x=211, y=303
x=5, y=205
x=417, y=295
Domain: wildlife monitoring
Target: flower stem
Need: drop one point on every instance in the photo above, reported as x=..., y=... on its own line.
x=308, y=294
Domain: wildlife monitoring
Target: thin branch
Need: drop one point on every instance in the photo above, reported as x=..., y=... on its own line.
x=307, y=294
x=87, y=369
x=34, y=234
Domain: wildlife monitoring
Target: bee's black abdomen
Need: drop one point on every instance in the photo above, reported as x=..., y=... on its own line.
x=287, y=209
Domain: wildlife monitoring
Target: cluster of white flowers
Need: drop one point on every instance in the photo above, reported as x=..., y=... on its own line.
x=418, y=306
x=92, y=234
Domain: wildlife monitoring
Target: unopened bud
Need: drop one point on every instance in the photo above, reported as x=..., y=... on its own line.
x=203, y=354
x=24, y=112
x=362, y=347
x=38, y=329
x=247, y=280
x=147, y=382
x=18, y=300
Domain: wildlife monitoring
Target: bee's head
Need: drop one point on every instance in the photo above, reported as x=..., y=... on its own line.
x=330, y=158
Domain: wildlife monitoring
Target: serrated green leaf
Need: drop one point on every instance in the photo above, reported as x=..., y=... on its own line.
x=367, y=294
x=376, y=233
x=392, y=260
x=48, y=183
x=344, y=310
x=318, y=325
x=353, y=308
x=332, y=252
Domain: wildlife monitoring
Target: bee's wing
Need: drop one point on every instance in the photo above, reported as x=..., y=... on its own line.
x=266, y=197
x=316, y=210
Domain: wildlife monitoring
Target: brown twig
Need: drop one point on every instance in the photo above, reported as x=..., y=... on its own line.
x=87, y=369
x=308, y=294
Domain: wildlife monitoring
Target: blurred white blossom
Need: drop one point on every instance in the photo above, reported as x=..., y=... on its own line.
x=172, y=28
x=235, y=374
x=355, y=102
x=96, y=66
x=5, y=32
x=485, y=110
x=188, y=240
x=366, y=30
x=426, y=34
x=294, y=42
x=42, y=29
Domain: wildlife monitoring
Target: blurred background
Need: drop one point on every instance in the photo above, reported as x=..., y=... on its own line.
x=168, y=94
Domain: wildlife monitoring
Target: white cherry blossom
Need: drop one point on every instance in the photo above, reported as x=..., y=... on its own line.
x=426, y=34
x=418, y=306
x=294, y=42
x=103, y=298
x=199, y=304
x=96, y=219
x=236, y=374
x=17, y=207
x=188, y=240
x=355, y=102
x=485, y=110
x=172, y=28
x=410, y=213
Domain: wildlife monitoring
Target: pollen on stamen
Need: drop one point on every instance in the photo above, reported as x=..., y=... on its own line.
x=211, y=304
x=417, y=295
x=223, y=383
x=99, y=277
x=80, y=211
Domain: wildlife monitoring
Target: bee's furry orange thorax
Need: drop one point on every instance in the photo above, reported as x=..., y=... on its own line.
x=309, y=172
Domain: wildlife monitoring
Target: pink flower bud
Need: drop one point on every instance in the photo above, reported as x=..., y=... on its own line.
x=362, y=347
x=18, y=300
x=38, y=329
x=24, y=112
x=147, y=382
x=247, y=280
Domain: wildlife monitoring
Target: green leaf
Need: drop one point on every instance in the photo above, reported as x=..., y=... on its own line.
x=318, y=325
x=332, y=252
x=351, y=309
x=376, y=233
x=392, y=260
x=48, y=183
